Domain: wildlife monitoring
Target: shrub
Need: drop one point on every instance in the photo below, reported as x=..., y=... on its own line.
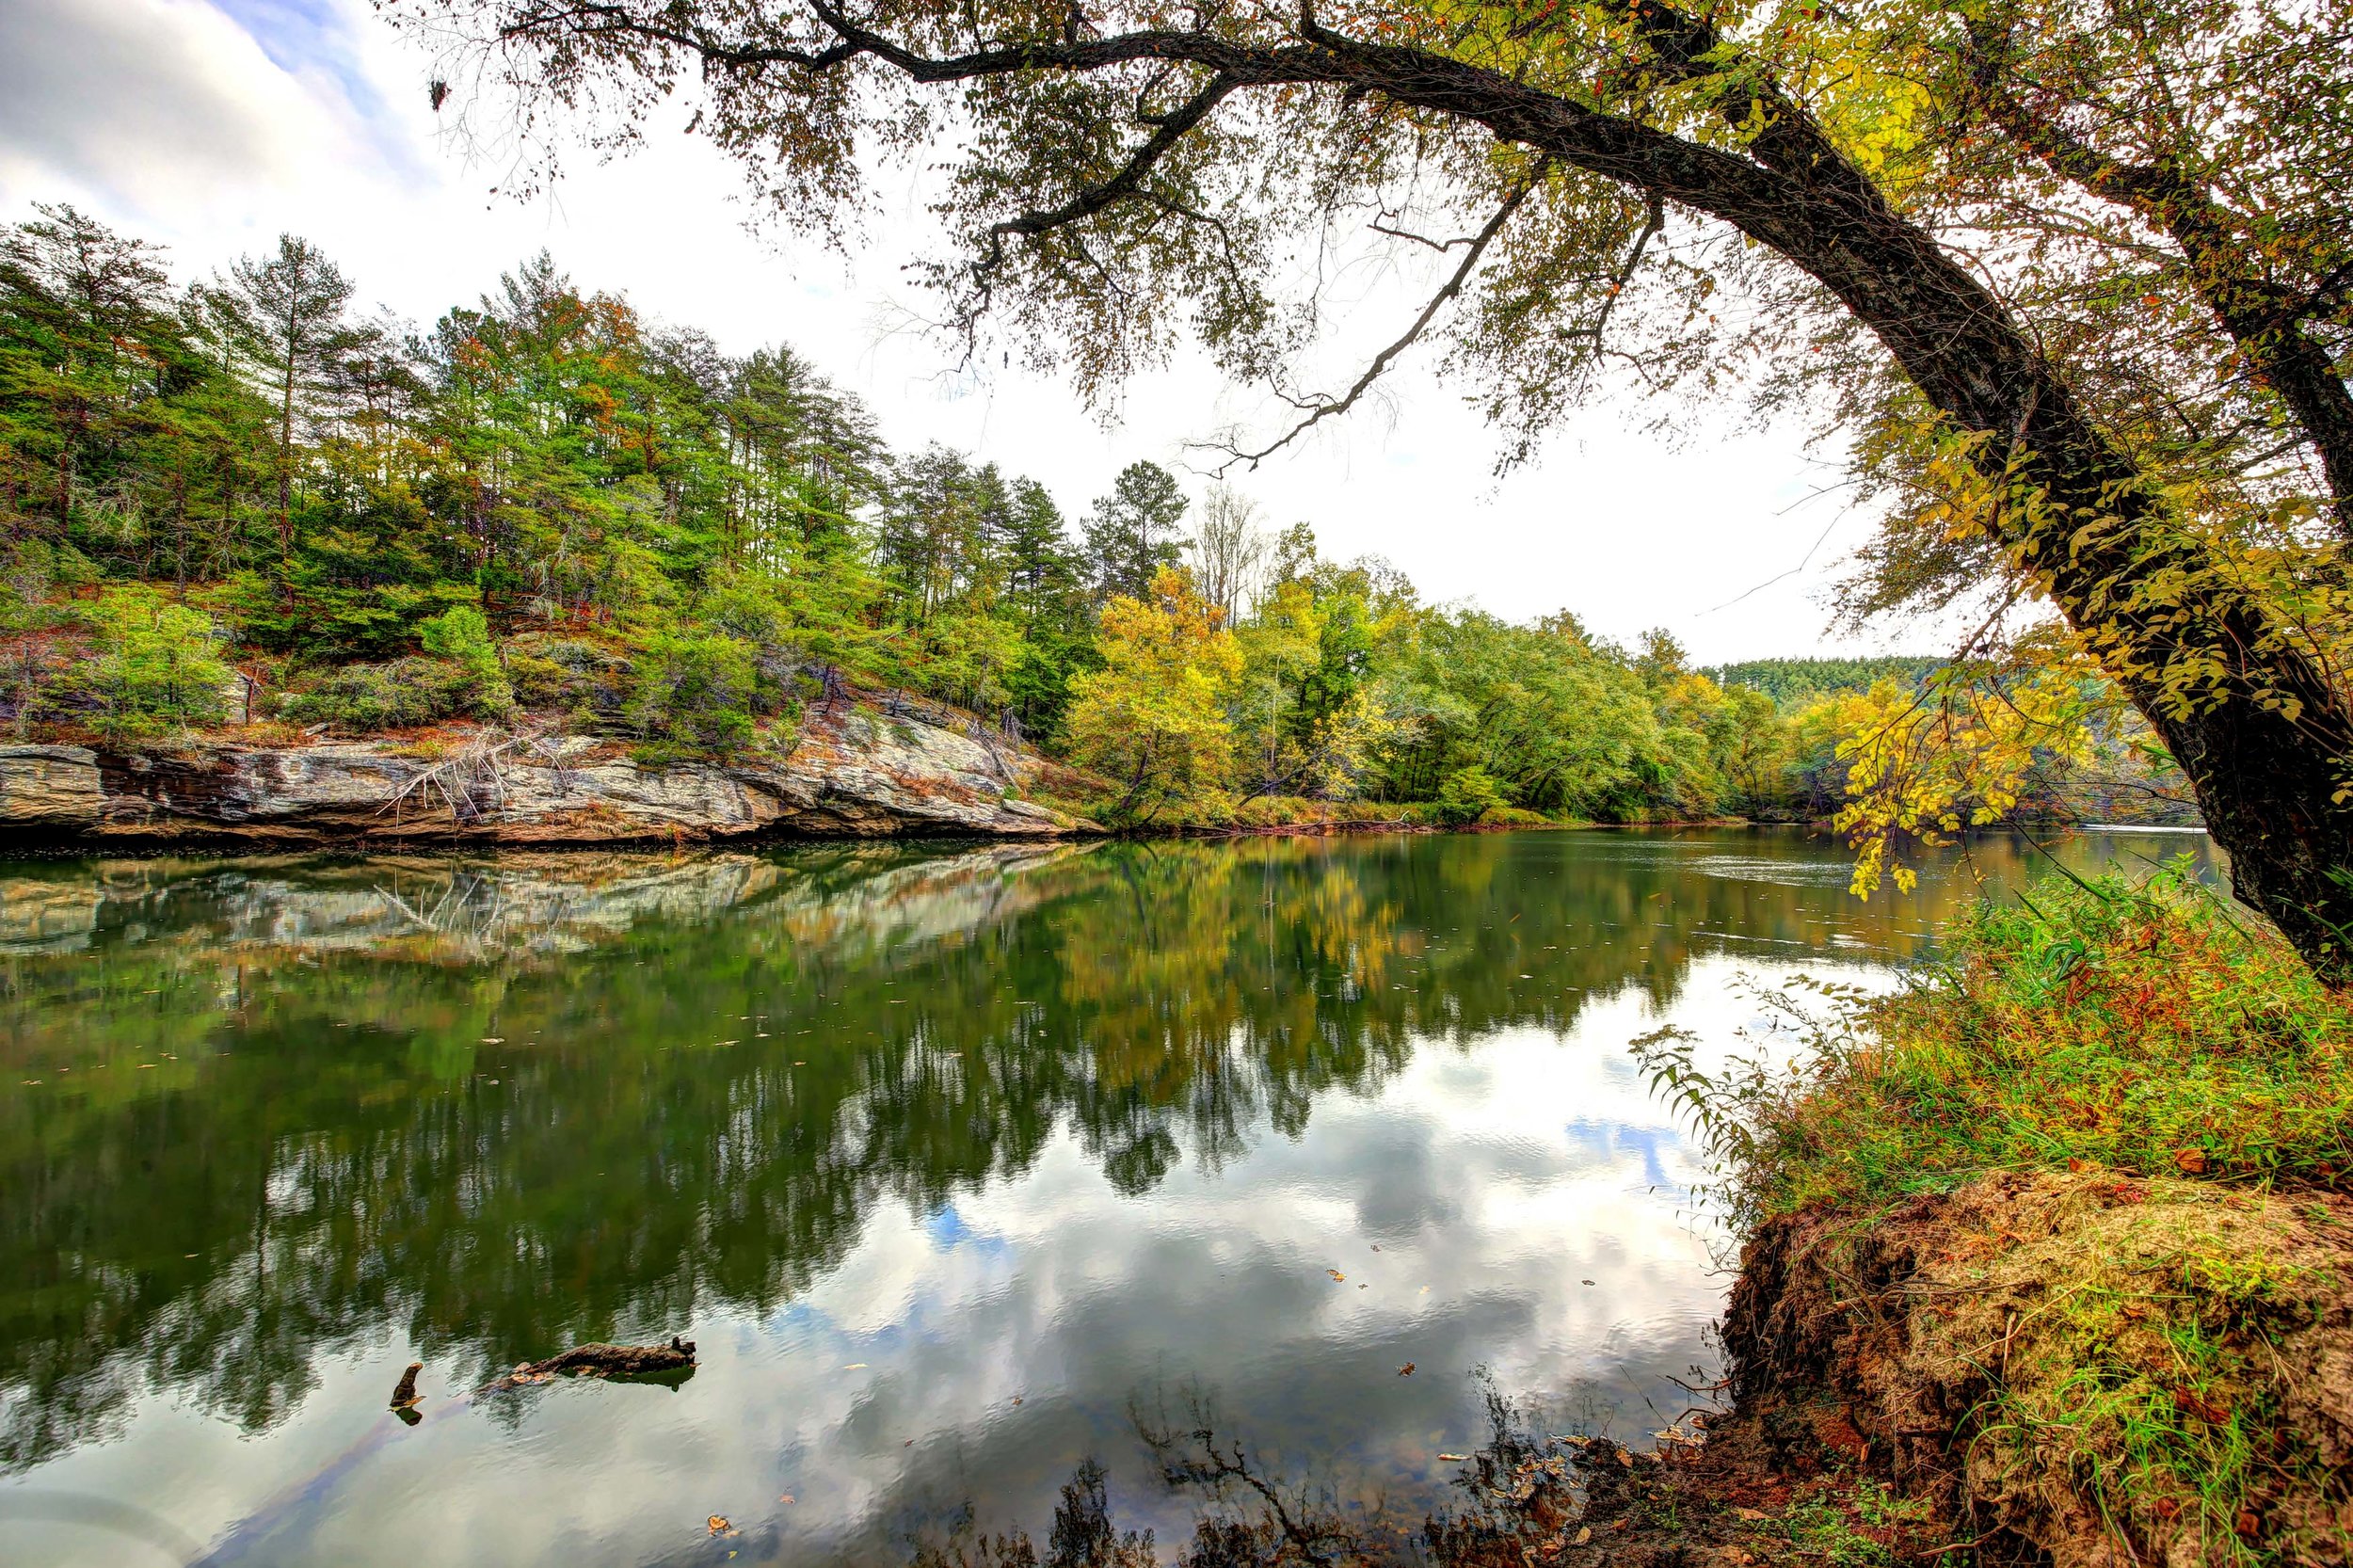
x=696, y=691
x=750, y=613
x=1468, y=794
x=461, y=636
x=2152, y=1028
x=398, y=695
x=592, y=683
x=153, y=665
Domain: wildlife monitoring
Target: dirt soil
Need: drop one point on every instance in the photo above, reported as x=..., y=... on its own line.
x=1777, y=1483
x=2081, y=1368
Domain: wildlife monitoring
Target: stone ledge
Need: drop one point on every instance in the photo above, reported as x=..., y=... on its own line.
x=850, y=774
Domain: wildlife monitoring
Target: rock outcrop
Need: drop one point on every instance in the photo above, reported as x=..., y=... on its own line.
x=853, y=774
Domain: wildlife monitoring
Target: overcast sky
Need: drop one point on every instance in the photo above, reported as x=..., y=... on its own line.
x=212, y=125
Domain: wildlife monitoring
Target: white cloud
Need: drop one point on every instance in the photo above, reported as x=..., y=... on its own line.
x=142, y=102
x=213, y=127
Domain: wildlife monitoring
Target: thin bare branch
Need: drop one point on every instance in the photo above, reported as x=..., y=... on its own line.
x=1332, y=409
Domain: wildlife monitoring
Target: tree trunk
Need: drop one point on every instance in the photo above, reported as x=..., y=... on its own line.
x=285, y=460
x=2267, y=769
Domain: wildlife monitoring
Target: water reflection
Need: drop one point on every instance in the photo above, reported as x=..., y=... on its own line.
x=944, y=1157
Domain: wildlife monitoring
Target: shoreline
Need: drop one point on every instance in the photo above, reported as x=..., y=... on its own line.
x=2050, y=1254
x=1854, y=1333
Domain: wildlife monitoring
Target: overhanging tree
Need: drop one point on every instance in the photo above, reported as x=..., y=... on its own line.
x=2085, y=268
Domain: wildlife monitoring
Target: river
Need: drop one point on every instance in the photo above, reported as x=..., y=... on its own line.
x=959, y=1164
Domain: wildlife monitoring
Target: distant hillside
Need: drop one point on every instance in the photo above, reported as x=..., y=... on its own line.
x=1795, y=683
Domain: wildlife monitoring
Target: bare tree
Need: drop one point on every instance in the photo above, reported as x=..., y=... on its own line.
x=1229, y=549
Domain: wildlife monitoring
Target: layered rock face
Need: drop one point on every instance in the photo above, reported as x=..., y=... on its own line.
x=853, y=774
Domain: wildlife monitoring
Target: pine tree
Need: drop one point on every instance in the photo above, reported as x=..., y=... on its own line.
x=81, y=308
x=285, y=319
x=1134, y=531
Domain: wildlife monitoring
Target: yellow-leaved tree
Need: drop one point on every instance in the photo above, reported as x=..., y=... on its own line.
x=1152, y=718
x=1922, y=765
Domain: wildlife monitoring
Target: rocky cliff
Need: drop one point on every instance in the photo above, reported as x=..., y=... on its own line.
x=852, y=773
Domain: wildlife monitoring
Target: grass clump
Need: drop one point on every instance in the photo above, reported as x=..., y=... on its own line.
x=2066, y=1216
x=2145, y=1027
x=1851, y=1531
x=2169, y=1355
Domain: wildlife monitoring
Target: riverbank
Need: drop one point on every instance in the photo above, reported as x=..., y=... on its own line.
x=852, y=772
x=2051, y=1255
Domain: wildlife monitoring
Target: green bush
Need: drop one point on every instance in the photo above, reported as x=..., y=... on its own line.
x=696, y=691
x=1468, y=794
x=2147, y=1027
x=591, y=683
x=154, y=665
x=461, y=636
x=400, y=694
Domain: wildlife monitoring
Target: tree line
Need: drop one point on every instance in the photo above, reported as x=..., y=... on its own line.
x=245, y=500
x=570, y=507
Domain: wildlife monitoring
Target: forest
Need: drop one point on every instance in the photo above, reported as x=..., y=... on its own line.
x=241, y=502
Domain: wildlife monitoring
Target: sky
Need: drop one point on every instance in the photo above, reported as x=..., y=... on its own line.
x=212, y=126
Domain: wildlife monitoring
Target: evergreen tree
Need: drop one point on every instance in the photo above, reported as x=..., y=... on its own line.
x=1134, y=531
x=1046, y=589
x=284, y=320
x=87, y=341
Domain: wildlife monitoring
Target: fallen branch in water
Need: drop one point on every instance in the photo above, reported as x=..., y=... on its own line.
x=601, y=1360
x=240, y=1540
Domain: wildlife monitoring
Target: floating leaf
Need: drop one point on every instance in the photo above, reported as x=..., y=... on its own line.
x=1406, y=1371
x=719, y=1525
x=1337, y=1277
x=1452, y=1459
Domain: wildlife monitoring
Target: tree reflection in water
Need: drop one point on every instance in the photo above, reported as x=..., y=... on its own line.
x=1521, y=1497
x=260, y=1111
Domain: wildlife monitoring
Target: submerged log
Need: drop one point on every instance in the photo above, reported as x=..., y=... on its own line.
x=603, y=1361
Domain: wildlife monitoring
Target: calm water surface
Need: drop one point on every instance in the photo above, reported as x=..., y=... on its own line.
x=957, y=1163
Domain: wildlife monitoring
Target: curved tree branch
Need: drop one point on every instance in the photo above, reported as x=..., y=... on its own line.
x=1128, y=182
x=2263, y=318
